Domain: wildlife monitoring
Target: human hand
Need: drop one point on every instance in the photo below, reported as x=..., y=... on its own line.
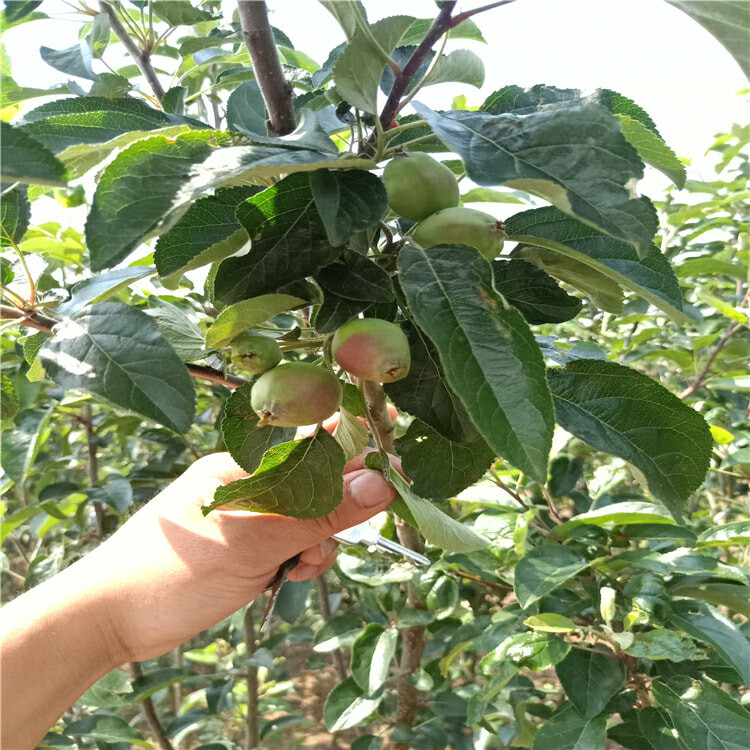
x=171, y=572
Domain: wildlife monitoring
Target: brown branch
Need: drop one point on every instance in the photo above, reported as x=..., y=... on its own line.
x=480, y=581
x=700, y=379
x=92, y=464
x=439, y=26
x=325, y=611
x=276, y=90
x=142, y=57
x=251, y=720
x=461, y=17
x=42, y=323
x=148, y=708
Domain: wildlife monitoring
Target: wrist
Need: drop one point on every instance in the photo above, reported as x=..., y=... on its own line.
x=57, y=641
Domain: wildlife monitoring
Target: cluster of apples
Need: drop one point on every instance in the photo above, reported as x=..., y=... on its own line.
x=300, y=393
x=422, y=189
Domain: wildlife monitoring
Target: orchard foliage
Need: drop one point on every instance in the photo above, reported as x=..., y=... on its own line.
x=572, y=385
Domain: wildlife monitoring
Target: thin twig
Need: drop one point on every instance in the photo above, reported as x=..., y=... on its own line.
x=480, y=581
x=700, y=379
x=504, y=487
x=42, y=323
x=151, y=717
x=551, y=505
x=252, y=737
x=439, y=26
x=92, y=464
x=276, y=90
x=461, y=17
x=325, y=610
x=142, y=57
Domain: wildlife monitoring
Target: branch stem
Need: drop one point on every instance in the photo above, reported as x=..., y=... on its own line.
x=277, y=92
x=42, y=323
x=141, y=56
x=151, y=717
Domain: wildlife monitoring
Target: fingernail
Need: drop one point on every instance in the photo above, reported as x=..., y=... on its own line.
x=369, y=489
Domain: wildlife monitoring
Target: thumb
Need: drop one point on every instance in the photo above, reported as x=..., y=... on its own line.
x=366, y=493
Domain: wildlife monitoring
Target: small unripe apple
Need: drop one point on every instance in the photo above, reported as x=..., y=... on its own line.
x=418, y=185
x=255, y=353
x=462, y=226
x=372, y=349
x=294, y=394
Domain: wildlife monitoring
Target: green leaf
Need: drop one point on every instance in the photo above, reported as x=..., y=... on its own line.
x=148, y=186
x=65, y=123
x=158, y=679
x=349, y=15
x=418, y=30
x=652, y=149
x=550, y=622
x=590, y=678
x=235, y=319
x=347, y=202
x=98, y=38
x=359, y=68
x=575, y=251
x=75, y=60
x=116, y=352
x=243, y=438
x=20, y=446
x=372, y=654
x=617, y=514
x=356, y=278
x=25, y=160
x=288, y=242
x=246, y=110
x=425, y=393
x=703, y=715
x=698, y=621
x=301, y=479
x=108, y=692
x=179, y=12
x=108, y=728
x=8, y=400
x=603, y=292
x=117, y=493
x=569, y=729
x=540, y=154
x=347, y=706
x=460, y=66
x=726, y=20
x=662, y=644
x=367, y=741
x=438, y=467
x=438, y=528
x=208, y=232
x=292, y=600
x=16, y=11
x=542, y=569
x=648, y=729
x=339, y=631
x=336, y=310
x=536, y=295
x=102, y=287
x=15, y=213
x=351, y=434
x=627, y=414
x=727, y=535
x=177, y=326
x=535, y=651
x=487, y=350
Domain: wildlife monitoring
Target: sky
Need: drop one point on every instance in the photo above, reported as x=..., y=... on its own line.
x=647, y=50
